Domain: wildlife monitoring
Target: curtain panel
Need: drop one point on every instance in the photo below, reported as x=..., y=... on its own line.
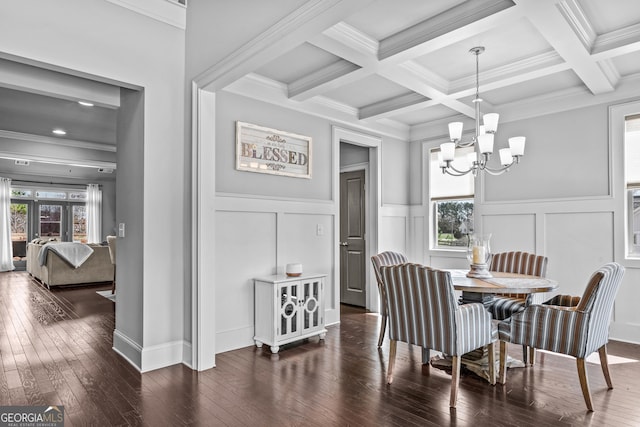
x=94, y=213
x=6, y=250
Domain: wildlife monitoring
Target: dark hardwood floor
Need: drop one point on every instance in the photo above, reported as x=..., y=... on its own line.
x=55, y=348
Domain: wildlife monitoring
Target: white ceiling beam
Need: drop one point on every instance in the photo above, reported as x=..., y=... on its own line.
x=313, y=17
x=62, y=142
x=321, y=80
x=392, y=106
x=14, y=75
x=411, y=78
x=534, y=67
x=460, y=22
x=349, y=43
x=451, y=26
x=615, y=43
x=558, y=23
x=273, y=92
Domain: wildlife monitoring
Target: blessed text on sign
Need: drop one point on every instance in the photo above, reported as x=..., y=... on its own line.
x=265, y=150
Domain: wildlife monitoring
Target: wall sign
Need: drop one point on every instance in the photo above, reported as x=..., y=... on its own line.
x=265, y=150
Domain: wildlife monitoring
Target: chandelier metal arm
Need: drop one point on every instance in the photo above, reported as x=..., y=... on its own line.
x=483, y=139
x=447, y=169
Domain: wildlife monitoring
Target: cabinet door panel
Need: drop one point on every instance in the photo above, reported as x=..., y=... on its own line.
x=289, y=316
x=311, y=305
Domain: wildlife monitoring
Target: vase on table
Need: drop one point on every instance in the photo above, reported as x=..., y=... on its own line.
x=479, y=254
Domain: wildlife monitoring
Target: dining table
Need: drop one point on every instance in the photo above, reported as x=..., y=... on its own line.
x=483, y=290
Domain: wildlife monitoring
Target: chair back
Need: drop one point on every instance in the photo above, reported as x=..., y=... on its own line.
x=422, y=306
x=597, y=300
x=111, y=242
x=385, y=258
x=519, y=262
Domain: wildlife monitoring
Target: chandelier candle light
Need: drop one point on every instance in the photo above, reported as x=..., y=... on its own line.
x=479, y=254
x=483, y=140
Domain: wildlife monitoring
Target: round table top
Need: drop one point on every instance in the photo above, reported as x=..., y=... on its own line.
x=502, y=283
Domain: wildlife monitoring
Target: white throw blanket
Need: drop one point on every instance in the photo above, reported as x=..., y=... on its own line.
x=74, y=253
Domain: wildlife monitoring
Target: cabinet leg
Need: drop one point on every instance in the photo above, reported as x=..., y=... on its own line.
x=258, y=344
x=275, y=349
x=322, y=335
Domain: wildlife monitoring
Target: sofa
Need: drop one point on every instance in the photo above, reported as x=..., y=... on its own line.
x=58, y=272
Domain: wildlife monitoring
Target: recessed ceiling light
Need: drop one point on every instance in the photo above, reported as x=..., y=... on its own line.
x=85, y=103
x=60, y=131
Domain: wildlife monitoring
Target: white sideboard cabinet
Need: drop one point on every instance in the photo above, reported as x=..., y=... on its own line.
x=288, y=309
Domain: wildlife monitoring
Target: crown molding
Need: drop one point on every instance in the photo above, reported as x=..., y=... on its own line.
x=402, y=103
x=525, y=69
x=7, y=134
x=312, y=84
x=264, y=89
x=353, y=38
x=310, y=19
x=453, y=25
x=578, y=22
x=169, y=12
x=616, y=43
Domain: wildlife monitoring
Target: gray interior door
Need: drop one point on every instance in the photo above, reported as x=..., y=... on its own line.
x=352, y=243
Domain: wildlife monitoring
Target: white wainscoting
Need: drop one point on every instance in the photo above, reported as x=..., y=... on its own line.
x=258, y=237
x=576, y=235
x=395, y=230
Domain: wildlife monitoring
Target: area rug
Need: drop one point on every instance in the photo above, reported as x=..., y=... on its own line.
x=107, y=294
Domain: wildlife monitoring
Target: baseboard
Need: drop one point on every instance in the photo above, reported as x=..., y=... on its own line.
x=234, y=339
x=146, y=359
x=127, y=348
x=162, y=355
x=627, y=332
x=186, y=354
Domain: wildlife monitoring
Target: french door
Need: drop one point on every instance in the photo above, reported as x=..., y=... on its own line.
x=65, y=220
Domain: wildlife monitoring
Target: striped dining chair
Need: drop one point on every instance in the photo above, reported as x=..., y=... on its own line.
x=569, y=325
x=384, y=258
x=505, y=305
x=423, y=311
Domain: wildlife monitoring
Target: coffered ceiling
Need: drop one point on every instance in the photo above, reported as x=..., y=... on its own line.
x=403, y=67
x=400, y=68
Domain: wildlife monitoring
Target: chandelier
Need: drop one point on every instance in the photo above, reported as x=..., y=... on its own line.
x=482, y=141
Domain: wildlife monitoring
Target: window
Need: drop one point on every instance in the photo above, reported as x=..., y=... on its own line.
x=47, y=212
x=451, y=199
x=632, y=179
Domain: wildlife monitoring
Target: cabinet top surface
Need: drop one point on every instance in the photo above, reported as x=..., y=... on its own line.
x=279, y=278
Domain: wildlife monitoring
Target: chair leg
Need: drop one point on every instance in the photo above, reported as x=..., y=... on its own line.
x=492, y=363
x=532, y=356
x=604, y=362
x=383, y=327
x=584, y=383
x=455, y=380
x=392, y=360
x=113, y=285
x=426, y=356
x=528, y=355
x=502, y=375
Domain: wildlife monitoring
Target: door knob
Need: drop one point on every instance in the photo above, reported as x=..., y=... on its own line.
x=344, y=244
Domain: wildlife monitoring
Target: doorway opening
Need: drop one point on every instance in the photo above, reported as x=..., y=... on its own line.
x=354, y=168
x=356, y=151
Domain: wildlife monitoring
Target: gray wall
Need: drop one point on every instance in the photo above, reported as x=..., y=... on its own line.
x=351, y=154
x=565, y=200
x=231, y=108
